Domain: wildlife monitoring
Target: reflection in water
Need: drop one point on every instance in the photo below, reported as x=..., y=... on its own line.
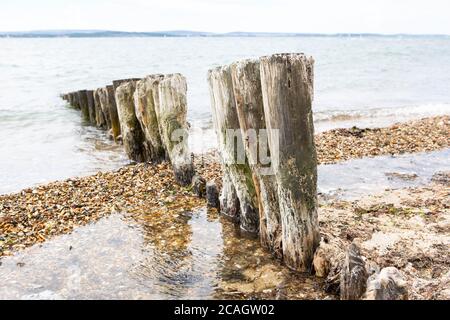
x=199, y=257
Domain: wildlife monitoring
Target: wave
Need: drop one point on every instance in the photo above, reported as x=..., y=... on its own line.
x=425, y=110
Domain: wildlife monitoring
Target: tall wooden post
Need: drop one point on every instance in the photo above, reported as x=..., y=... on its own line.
x=146, y=99
x=132, y=135
x=287, y=86
x=226, y=121
x=115, y=123
x=172, y=119
x=91, y=106
x=250, y=110
x=83, y=101
x=104, y=104
x=100, y=120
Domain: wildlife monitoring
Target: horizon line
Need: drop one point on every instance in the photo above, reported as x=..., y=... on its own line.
x=184, y=33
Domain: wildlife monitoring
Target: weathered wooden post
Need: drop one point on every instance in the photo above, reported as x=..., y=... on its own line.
x=83, y=102
x=146, y=99
x=229, y=201
x=91, y=106
x=353, y=275
x=117, y=83
x=249, y=103
x=104, y=104
x=100, y=120
x=115, y=123
x=236, y=168
x=287, y=86
x=76, y=101
x=172, y=119
x=132, y=135
x=69, y=98
x=72, y=99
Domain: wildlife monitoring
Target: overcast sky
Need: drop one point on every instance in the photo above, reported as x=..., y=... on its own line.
x=316, y=16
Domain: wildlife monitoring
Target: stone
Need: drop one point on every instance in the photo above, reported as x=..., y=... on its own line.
x=199, y=186
x=212, y=195
x=328, y=257
x=389, y=284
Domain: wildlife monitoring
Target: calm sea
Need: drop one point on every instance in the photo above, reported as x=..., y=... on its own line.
x=371, y=81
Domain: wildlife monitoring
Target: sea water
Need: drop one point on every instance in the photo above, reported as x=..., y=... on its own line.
x=365, y=81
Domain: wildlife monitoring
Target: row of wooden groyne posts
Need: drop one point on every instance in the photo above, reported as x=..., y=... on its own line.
x=274, y=94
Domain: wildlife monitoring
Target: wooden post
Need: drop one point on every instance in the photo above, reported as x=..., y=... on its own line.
x=226, y=120
x=287, y=86
x=117, y=83
x=104, y=104
x=132, y=135
x=353, y=275
x=250, y=110
x=76, y=100
x=172, y=119
x=99, y=116
x=72, y=99
x=83, y=102
x=91, y=106
x=229, y=201
x=146, y=99
x=115, y=123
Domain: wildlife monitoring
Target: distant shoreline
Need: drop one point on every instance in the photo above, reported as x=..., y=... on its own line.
x=188, y=34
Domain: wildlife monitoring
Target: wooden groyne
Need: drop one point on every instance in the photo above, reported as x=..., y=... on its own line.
x=262, y=114
x=272, y=95
x=152, y=129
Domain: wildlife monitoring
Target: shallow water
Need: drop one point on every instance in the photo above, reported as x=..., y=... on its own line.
x=119, y=258
x=355, y=178
x=366, y=81
x=199, y=256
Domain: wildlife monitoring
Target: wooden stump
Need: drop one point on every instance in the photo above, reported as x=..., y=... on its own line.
x=146, y=99
x=353, y=275
x=249, y=103
x=229, y=201
x=100, y=120
x=114, y=116
x=132, y=135
x=91, y=106
x=239, y=173
x=287, y=86
x=171, y=114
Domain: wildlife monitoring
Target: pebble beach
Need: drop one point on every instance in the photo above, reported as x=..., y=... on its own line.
x=38, y=214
